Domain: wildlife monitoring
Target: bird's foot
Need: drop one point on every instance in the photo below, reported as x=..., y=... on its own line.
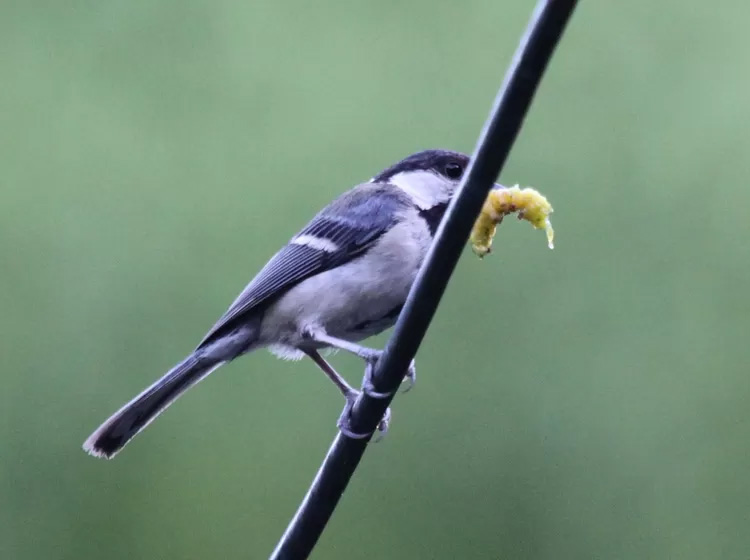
x=368, y=387
x=369, y=355
x=344, y=421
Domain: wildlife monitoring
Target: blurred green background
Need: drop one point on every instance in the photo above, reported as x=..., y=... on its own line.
x=590, y=402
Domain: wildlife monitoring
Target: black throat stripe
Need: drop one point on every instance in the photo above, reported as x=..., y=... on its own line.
x=433, y=216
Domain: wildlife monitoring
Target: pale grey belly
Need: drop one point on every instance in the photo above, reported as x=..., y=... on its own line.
x=344, y=307
x=352, y=302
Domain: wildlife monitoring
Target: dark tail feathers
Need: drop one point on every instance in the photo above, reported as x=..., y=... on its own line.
x=124, y=424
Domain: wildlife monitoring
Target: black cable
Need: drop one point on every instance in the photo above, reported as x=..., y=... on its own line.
x=521, y=80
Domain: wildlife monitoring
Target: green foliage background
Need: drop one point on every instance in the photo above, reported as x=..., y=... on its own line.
x=590, y=402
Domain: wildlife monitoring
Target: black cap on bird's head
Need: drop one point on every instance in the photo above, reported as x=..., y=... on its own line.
x=446, y=163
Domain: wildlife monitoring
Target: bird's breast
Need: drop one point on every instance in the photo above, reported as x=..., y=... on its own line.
x=358, y=299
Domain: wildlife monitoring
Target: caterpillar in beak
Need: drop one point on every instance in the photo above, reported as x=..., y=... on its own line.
x=528, y=203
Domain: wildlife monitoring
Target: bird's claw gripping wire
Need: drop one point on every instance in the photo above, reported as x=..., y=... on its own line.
x=371, y=358
x=368, y=386
x=344, y=421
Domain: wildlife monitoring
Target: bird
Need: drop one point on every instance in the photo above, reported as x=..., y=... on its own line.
x=343, y=278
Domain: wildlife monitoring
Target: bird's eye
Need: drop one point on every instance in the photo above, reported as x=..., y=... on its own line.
x=453, y=171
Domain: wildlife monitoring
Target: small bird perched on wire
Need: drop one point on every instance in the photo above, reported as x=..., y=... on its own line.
x=344, y=277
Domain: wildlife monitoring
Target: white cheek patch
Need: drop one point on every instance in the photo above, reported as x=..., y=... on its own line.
x=318, y=243
x=425, y=188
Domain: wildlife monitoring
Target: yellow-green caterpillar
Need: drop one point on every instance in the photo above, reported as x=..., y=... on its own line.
x=530, y=205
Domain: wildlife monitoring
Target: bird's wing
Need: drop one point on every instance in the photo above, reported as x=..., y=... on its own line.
x=339, y=233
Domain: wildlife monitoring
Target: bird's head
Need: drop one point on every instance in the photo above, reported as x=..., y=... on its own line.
x=429, y=177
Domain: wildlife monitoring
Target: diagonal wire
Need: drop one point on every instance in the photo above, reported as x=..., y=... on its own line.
x=511, y=104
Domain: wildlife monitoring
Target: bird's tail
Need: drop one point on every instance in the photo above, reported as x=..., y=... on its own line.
x=124, y=424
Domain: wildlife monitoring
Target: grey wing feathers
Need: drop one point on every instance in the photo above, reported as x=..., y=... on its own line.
x=352, y=223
